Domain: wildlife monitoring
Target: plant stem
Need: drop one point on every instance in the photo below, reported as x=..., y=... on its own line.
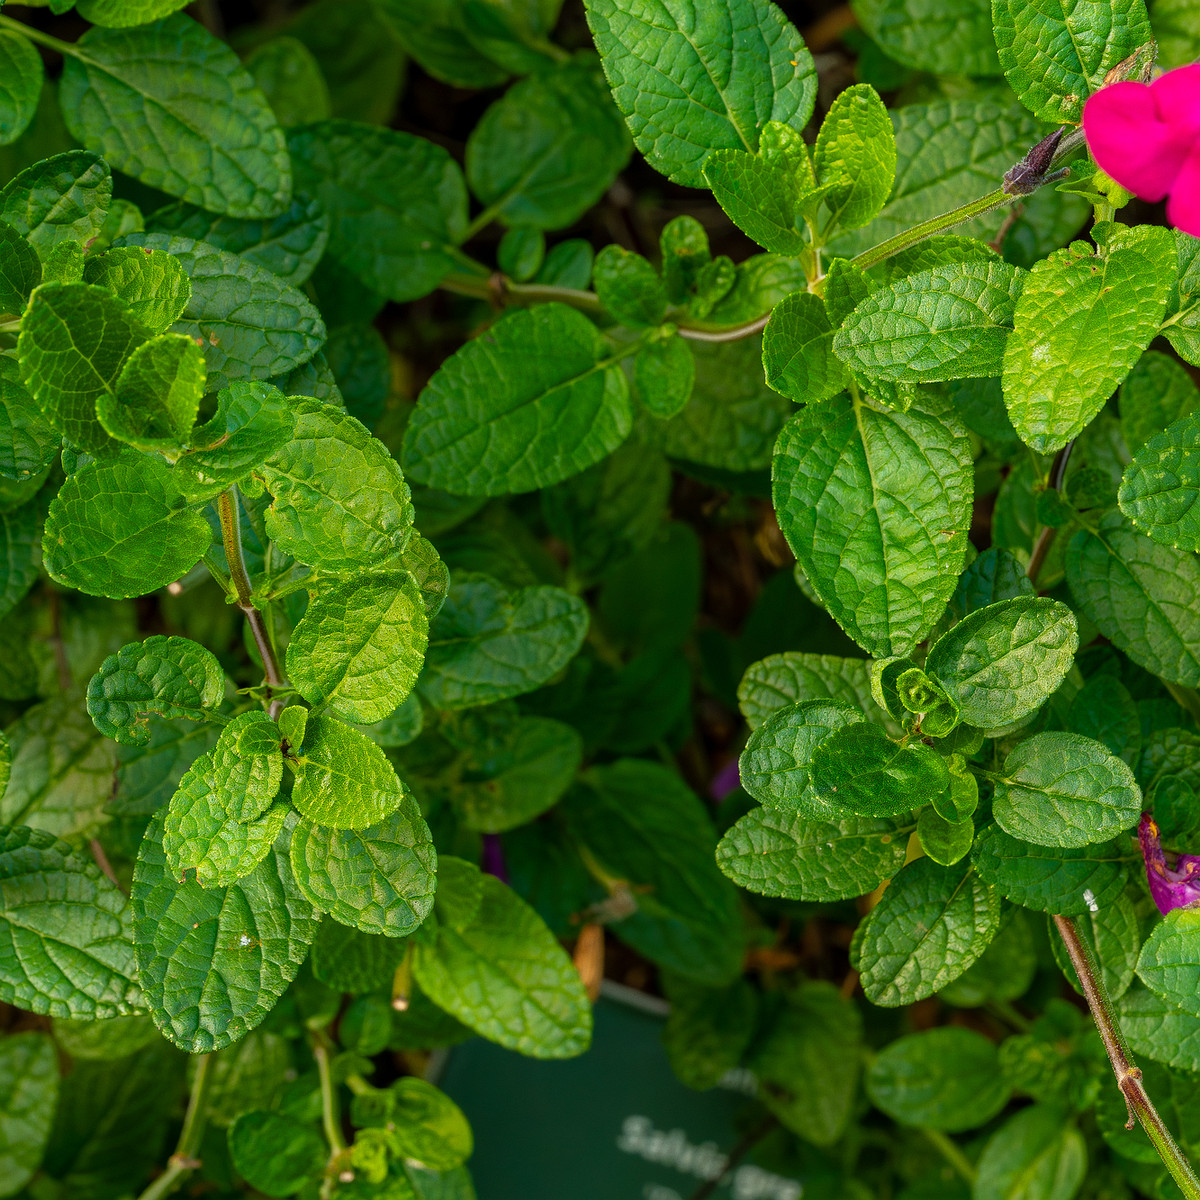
x=231, y=534
x=1058, y=471
x=183, y=1162
x=918, y=233
x=1129, y=1078
x=739, y=1152
x=330, y=1118
x=950, y=1151
x=42, y=39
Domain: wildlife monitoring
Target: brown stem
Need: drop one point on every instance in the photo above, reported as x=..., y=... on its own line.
x=1058, y=470
x=1129, y=1077
x=231, y=534
x=739, y=1152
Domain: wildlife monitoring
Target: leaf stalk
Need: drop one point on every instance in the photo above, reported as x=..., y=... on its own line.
x=231, y=535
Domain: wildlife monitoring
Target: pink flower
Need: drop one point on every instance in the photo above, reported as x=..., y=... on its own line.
x=1177, y=887
x=1147, y=137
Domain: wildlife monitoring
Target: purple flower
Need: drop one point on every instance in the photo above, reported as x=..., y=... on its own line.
x=493, y=857
x=724, y=781
x=1177, y=887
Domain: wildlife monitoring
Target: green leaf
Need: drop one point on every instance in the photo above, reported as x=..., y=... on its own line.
x=529, y=403
x=861, y=769
x=951, y=322
x=1140, y=595
x=157, y=395
x=489, y=643
x=429, y=573
x=502, y=973
x=65, y=941
x=28, y=1096
x=947, y=37
x=761, y=197
x=20, y=270
x=707, y=1030
x=213, y=961
x=172, y=106
x=643, y=826
x=247, y=765
x=943, y=840
x=856, y=155
x=147, y=776
x=1050, y=879
x=931, y=924
x=1169, y=964
x=21, y=73
x=875, y=506
x=289, y=245
x=664, y=373
x=118, y=14
x=200, y=833
x=360, y=646
x=347, y=960
x=75, y=340
x=629, y=287
x=434, y=33
x=120, y=528
x=275, y=1153
x=379, y=880
x=20, y=554
x=1158, y=393
x=794, y=856
x=1038, y=1154
x=1081, y=323
x=249, y=322
x=1159, y=1029
x=510, y=780
x=1161, y=485
x=62, y=770
x=547, y=150
x=691, y=83
x=1056, y=54
x=151, y=282
x=798, y=357
x=289, y=75
x=807, y=1062
x=339, y=497
x=60, y=199
x=397, y=204
x=343, y=779
x=775, y=766
x=424, y=1125
x=1060, y=789
x=1002, y=662
x=948, y=1079
x=164, y=676
x=253, y=422
x=783, y=679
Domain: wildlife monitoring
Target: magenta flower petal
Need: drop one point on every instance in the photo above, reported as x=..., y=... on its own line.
x=1183, y=204
x=1130, y=142
x=1171, y=887
x=1177, y=98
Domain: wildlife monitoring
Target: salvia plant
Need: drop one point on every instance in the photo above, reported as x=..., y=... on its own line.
x=339, y=728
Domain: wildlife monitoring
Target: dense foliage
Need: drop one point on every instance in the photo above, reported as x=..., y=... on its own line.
x=334, y=724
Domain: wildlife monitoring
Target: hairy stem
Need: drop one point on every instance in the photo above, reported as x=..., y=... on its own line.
x=1129, y=1078
x=183, y=1162
x=231, y=535
x=939, y=224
